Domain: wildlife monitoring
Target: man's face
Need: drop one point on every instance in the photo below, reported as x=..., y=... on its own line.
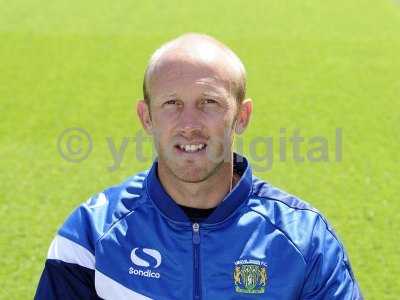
x=193, y=114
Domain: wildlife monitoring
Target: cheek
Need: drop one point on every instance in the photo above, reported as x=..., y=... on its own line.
x=218, y=117
x=160, y=135
x=223, y=132
x=162, y=125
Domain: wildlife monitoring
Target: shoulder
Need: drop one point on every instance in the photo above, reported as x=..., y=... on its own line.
x=93, y=218
x=300, y=222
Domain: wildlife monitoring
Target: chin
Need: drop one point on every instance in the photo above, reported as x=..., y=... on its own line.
x=190, y=170
x=191, y=175
x=192, y=179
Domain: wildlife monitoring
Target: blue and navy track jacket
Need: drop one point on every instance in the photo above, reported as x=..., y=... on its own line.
x=132, y=241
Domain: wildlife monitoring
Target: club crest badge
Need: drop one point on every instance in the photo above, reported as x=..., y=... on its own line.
x=250, y=276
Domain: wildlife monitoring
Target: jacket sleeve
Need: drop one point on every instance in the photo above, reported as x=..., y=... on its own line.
x=62, y=280
x=329, y=275
x=69, y=270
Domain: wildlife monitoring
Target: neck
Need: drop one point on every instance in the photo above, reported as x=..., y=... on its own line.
x=207, y=193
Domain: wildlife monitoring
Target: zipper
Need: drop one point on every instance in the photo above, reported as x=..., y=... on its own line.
x=196, y=262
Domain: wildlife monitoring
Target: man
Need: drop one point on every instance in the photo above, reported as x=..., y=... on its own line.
x=198, y=224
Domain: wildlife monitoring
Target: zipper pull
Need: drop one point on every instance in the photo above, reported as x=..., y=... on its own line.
x=196, y=233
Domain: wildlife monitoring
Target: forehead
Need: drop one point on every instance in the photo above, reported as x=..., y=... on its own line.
x=179, y=74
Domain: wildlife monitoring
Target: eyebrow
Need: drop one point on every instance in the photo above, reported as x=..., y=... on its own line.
x=212, y=94
x=209, y=93
x=204, y=94
x=169, y=95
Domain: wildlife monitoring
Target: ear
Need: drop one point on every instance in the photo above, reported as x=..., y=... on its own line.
x=243, y=116
x=143, y=112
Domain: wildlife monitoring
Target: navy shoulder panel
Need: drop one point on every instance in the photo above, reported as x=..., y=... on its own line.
x=61, y=280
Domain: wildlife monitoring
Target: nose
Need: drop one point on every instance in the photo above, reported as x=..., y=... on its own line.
x=189, y=122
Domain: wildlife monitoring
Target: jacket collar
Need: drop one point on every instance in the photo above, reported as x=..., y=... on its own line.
x=232, y=200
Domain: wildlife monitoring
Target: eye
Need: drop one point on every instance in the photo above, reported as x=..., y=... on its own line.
x=172, y=101
x=209, y=101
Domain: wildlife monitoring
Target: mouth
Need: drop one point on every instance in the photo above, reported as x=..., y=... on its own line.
x=191, y=148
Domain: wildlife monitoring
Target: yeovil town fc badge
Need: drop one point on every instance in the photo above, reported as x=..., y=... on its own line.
x=250, y=276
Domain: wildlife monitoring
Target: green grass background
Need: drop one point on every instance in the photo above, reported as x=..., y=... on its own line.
x=313, y=65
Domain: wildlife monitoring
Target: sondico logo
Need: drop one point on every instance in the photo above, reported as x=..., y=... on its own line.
x=155, y=261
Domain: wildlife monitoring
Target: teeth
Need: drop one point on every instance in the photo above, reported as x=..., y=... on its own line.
x=192, y=148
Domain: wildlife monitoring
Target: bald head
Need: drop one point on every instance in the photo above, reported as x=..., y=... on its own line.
x=196, y=50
